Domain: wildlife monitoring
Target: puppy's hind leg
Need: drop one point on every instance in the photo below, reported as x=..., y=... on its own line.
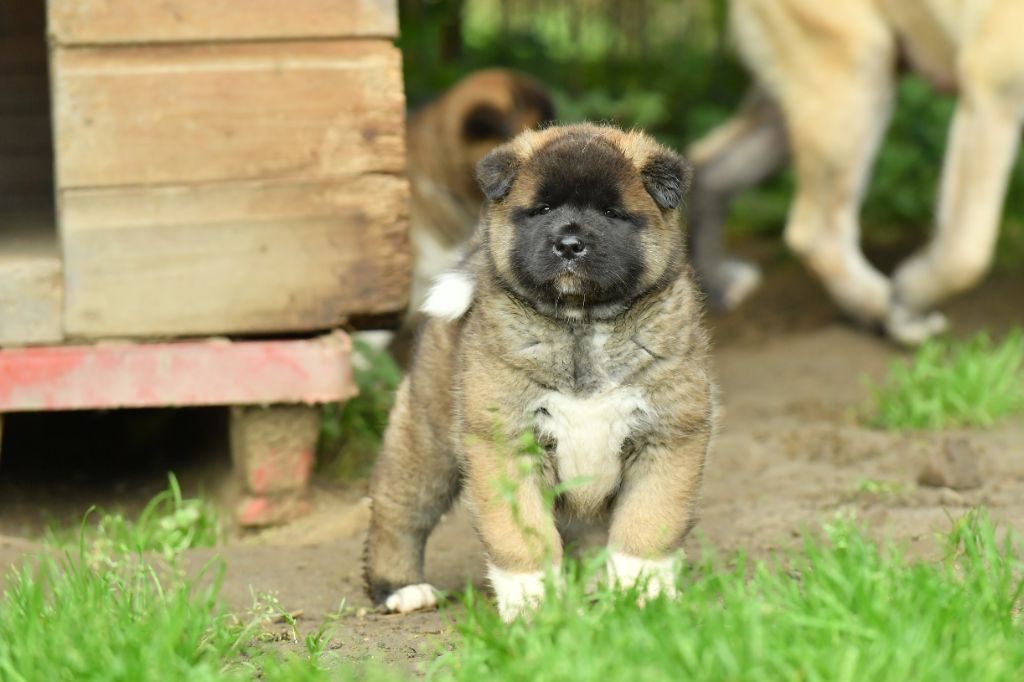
x=733, y=157
x=414, y=482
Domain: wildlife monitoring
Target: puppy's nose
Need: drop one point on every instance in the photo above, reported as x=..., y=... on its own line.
x=569, y=247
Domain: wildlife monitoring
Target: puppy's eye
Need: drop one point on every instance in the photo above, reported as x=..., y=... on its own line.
x=540, y=210
x=614, y=213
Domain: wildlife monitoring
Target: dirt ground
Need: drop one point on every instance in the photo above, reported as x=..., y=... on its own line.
x=790, y=453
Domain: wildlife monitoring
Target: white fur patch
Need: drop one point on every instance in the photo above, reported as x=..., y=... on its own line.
x=431, y=259
x=450, y=296
x=411, y=598
x=516, y=593
x=657, y=576
x=589, y=433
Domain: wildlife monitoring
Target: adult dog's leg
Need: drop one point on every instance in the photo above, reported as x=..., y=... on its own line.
x=736, y=155
x=829, y=66
x=983, y=143
x=835, y=137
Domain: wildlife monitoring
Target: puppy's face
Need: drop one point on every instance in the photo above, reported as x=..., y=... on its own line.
x=584, y=219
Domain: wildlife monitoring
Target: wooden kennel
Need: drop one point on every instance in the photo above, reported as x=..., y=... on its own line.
x=177, y=170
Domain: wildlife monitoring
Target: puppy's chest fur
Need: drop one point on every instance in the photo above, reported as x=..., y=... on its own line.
x=590, y=416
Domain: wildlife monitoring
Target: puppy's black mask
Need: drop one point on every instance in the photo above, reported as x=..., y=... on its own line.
x=577, y=245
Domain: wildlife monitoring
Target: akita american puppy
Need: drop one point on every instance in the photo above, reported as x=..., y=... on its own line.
x=574, y=318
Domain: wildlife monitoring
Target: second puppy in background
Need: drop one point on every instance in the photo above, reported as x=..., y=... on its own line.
x=446, y=139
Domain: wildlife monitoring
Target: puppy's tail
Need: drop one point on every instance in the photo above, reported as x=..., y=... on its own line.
x=450, y=296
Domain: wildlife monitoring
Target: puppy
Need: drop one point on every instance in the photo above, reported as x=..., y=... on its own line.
x=574, y=319
x=825, y=76
x=446, y=138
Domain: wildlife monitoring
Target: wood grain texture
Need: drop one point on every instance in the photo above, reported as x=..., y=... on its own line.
x=95, y=22
x=31, y=279
x=233, y=258
x=255, y=111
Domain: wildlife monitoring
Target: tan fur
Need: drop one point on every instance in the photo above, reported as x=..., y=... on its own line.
x=446, y=200
x=825, y=78
x=506, y=369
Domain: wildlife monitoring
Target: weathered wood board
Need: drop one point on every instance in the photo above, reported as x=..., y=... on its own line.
x=191, y=114
x=235, y=257
x=31, y=279
x=91, y=22
x=227, y=167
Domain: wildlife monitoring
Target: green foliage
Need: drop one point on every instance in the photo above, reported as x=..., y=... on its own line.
x=351, y=432
x=844, y=608
x=947, y=383
x=169, y=524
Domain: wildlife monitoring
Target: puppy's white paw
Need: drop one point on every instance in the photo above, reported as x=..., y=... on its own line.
x=411, y=598
x=912, y=329
x=516, y=593
x=654, y=576
x=450, y=296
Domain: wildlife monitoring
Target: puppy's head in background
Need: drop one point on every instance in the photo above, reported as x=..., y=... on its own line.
x=496, y=105
x=584, y=219
x=449, y=136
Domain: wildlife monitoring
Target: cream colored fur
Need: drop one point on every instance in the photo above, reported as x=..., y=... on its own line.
x=825, y=75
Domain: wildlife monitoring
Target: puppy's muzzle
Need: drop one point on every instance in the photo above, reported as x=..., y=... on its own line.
x=569, y=246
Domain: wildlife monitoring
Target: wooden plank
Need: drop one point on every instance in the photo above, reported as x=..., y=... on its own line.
x=213, y=372
x=93, y=22
x=189, y=114
x=233, y=258
x=31, y=278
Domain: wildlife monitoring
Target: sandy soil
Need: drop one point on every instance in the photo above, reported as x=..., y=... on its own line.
x=789, y=454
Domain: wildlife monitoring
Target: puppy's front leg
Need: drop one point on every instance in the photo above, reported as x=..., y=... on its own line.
x=514, y=523
x=654, y=511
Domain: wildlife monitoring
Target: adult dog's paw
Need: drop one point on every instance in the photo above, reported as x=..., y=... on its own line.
x=732, y=283
x=912, y=328
x=411, y=598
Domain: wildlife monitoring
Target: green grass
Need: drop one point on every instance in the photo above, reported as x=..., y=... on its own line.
x=169, y=524
x=970, y=383
x=98, y=610
x=351, y=432
x=843, y=608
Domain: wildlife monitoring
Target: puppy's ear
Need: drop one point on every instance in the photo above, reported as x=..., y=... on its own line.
x=496, y=172
x=485, y=122
x=666, y=177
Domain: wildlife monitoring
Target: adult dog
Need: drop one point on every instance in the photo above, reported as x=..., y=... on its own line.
x=825, y=75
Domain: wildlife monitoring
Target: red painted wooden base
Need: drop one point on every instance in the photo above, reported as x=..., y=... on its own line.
x=272, y=385
x=210, y=372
